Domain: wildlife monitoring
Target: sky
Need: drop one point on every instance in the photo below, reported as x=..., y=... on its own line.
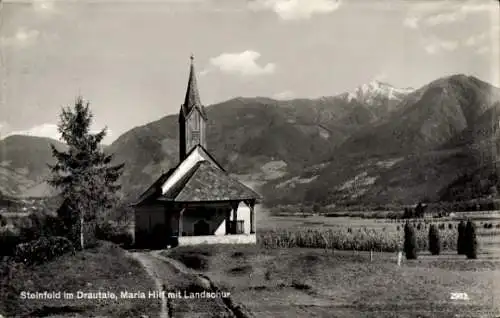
x=130, y=58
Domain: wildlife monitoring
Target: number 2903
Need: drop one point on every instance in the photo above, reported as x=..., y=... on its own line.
x=459, y=296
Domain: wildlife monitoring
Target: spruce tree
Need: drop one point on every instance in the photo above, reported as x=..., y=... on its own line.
x=410, y=243
x=470, y=240
x=461, y=238
x=83, y=174
x=434, y=240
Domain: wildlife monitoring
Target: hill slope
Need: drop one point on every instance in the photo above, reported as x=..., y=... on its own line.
x=23, y=164
x=375, y=145
x=257, y=137
x=440, y=132
x=427, y=118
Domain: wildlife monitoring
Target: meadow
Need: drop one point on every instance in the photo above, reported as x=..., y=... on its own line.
x=305, y=282
x=321, y=266
x=302, y=266
x=105, y=267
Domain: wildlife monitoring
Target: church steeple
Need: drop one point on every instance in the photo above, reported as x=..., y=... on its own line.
x=192, y=117
x=192, y=98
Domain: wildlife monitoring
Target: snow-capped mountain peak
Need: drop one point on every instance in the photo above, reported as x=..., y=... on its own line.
x=376, y=90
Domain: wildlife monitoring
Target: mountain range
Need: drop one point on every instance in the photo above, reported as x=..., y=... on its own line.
x=375, y=145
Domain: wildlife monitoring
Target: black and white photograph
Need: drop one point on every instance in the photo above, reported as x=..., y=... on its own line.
x=249, y=158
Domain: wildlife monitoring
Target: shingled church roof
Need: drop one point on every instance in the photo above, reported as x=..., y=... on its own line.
x=205, y=182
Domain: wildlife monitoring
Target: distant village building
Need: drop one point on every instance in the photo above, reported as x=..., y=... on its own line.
x=196, y=202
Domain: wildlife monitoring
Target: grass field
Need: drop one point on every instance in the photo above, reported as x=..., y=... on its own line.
x=285, y=280
x=299, y=282
x=104, y=268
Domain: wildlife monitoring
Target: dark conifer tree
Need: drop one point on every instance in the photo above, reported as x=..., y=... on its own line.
x=470, y=240
x=434, y=240
x=410, y=243
x=461, y=238
x=83, y=174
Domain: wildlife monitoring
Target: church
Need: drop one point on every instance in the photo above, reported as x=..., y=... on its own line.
x=197, y=201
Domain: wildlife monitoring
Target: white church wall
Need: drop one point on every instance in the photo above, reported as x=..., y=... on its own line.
x=243, y=214
x=218, y=239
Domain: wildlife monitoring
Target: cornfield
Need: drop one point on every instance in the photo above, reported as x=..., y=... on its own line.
x=343, y=239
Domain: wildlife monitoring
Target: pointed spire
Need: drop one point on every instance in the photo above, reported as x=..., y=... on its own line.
x=192, y=95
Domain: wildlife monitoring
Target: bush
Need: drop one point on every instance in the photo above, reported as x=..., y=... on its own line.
x=42, y=250
x=110, y=231
x=470, y=240
x=31, y=231
x=8, y=242
x=410, y=243
x=461, y=238
x=39, y=226
x=434, y=241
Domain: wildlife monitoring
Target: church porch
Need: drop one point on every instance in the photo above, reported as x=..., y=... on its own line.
x=212, y=222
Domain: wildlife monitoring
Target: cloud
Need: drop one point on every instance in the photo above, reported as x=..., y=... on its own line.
x=4, y=127
x=484, y=42
x=47, y=130
x=44, y=6
x=411, y=22
x=435, y=45
x=243, y=64
x=477, y=39
x=445, y=12
x=444, y=18
x=44, y=130
x=23, y=37
x=482, y=50
x=296, y=9
x=204, y=72
x=380, y=77
x=284, y=95
x=493, y=48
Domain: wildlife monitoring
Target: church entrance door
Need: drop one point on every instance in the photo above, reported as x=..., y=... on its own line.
x=201, y=228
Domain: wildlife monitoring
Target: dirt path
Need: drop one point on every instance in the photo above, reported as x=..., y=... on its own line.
x=173, y=277
x=237, y=311
x=146, y=261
